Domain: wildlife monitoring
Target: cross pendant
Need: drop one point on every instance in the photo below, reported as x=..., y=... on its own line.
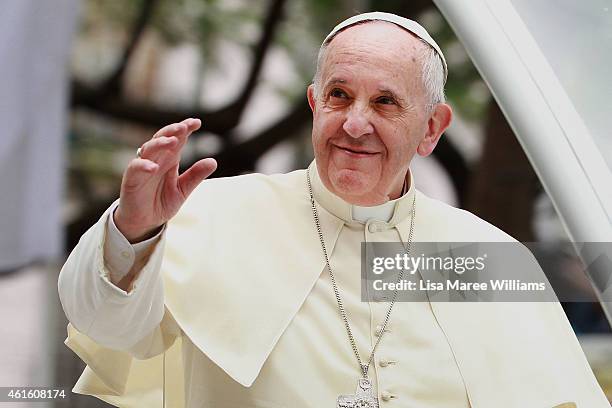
x=363, y=397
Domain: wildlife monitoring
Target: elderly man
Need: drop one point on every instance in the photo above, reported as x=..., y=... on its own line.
x=250, y=296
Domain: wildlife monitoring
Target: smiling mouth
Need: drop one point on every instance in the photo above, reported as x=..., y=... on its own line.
x=356, y=152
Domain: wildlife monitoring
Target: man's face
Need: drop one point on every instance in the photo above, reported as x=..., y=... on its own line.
x=370, y=114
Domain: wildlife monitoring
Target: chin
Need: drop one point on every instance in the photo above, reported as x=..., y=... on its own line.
x=350, y=182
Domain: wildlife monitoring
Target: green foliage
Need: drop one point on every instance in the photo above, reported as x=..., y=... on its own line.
x=204, y=22
x=305, y=24
x=115, y=14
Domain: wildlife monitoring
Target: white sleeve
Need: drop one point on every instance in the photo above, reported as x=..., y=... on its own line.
x=110, y=316
x=119, y=254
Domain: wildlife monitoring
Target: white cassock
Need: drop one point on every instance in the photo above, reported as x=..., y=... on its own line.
x=249, y=318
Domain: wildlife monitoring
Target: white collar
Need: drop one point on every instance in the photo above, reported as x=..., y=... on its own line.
x=392, y=211
x=382, y=212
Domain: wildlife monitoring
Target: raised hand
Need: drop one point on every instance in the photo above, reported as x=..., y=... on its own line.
x=152, y=191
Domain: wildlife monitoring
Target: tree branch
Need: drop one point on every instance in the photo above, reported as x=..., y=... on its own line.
x=272, y=20
x=456, y=167
x=242, y=157
x=108, y=100
x=114, y=84
x=142, y=113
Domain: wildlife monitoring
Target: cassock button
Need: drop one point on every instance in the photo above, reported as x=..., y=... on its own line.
x=385, y=363
x=378, y=226
x=386, y=396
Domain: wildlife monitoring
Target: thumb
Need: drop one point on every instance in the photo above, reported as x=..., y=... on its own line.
x=194, y=175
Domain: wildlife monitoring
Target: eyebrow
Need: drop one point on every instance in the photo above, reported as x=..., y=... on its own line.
x=383, y=90
x=335, y=81
x=388, y=92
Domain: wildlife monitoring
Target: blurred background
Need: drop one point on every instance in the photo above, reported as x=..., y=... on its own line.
x=87, y=82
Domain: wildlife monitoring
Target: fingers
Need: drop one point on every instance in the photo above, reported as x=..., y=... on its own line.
x=181, y=130
x=192, y=124
x=155, y=148
x=167, y=136
x=163, y=152
x=138, y=172
x=194, y=175
x=171, y=130
x=169, y=139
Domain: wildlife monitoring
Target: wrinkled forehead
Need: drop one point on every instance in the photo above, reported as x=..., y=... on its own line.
x=377, y=56
x=381, y=48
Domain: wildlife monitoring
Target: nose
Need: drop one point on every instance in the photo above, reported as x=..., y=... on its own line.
x=357, y=122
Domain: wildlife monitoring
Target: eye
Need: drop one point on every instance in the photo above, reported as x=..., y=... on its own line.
x=338, y=93
x=386, y=100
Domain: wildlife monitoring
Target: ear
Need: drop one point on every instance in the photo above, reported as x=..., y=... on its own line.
x=438, y=122
x=311, y=98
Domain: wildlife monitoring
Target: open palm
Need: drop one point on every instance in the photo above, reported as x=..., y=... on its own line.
x=152, y=191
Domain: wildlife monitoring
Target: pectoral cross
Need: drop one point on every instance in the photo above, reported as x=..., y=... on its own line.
x=363, y=397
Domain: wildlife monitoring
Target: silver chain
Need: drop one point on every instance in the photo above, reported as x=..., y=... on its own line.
x=364, y=367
